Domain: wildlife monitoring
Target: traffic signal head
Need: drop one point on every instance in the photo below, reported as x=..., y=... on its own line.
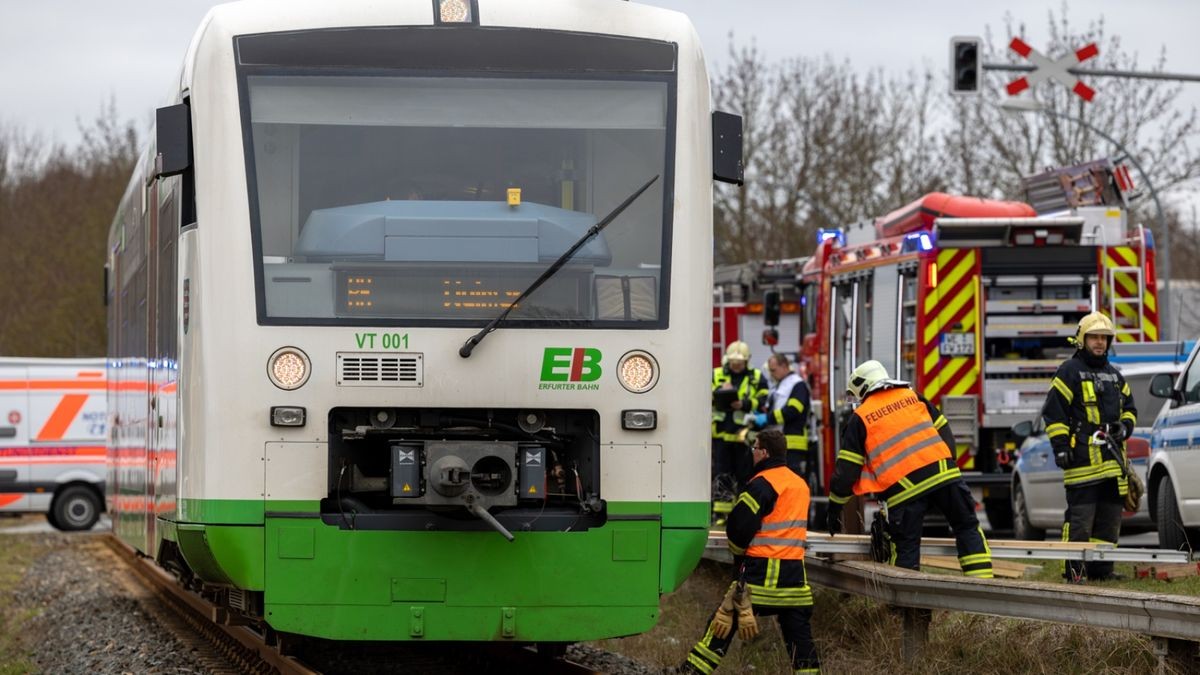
x=965, y=65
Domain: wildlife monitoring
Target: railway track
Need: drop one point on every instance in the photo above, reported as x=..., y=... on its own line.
x=194, y=619
x=223, y=647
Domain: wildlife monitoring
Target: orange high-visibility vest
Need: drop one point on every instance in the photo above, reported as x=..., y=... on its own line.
x=784, y=531
x=901, y=438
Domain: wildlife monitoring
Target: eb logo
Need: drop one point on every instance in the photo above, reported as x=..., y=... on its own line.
x=570, y=364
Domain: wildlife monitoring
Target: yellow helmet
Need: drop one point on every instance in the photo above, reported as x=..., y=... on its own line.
x=1096, y=323
x=869, y=376
x=737, y=351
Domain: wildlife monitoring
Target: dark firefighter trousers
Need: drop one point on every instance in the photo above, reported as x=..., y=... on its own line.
x=954, y=500
x=794, y=622
x=797, y=461
x=732, y=465
x=1093, y=514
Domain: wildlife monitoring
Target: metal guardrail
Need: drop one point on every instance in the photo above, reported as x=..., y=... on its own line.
x=1172, y=620
x=851, y=544
x=1169, y=616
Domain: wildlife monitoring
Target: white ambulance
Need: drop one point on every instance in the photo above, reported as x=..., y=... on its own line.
x=53, y=421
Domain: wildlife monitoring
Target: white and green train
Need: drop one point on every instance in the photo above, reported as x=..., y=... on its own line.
x=340, y=203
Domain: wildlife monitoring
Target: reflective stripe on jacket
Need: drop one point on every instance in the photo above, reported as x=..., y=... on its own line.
x=901, y=438
x=750, y=389
x=789, y=401
x=1084, y=397
x=774, y=582
x=784, y=531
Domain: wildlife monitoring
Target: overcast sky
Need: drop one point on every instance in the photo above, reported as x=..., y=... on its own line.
x=60, y=60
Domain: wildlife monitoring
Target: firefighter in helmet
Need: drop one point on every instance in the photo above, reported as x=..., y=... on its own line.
x=737, y=390
x=1089, y=413
x=897, y=445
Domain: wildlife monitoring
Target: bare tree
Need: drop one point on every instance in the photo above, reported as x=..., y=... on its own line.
x=55, y=208
x=824, y=146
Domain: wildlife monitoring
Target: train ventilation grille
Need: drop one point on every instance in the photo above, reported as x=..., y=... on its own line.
x=357, y=369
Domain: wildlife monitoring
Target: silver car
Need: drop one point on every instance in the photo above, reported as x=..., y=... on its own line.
x=1039, y=500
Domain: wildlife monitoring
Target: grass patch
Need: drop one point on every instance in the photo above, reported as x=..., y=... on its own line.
x=16, y=554
x=856, y=634
x=683, y=618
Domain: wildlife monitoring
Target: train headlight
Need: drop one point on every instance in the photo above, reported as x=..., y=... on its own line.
x=637, y=371
x=455, y=11
x=287, y=416
x=288, y=368
x=639, y=420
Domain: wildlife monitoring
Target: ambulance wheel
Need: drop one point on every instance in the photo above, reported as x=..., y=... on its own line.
x=75, y=508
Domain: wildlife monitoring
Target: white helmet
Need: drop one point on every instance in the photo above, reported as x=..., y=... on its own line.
x=868, y=377
x=737, y=351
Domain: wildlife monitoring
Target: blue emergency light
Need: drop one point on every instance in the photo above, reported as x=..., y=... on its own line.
x=917, y=241
x=836, y=233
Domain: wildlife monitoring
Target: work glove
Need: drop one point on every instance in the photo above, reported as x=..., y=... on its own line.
x=747, y=625
x=1135, y=489
x=760, y=420
x=1126, y=431
x=722, y=621
x=833, y=518
x=1062, y=456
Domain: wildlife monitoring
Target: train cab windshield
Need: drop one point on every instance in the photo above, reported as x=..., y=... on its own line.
x=380, y=196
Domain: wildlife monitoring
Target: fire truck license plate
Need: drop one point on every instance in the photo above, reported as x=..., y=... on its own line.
x=957, y=344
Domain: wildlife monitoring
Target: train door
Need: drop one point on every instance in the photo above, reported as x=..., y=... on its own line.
x=153, y=373
x=164, y=353
x=14, y=438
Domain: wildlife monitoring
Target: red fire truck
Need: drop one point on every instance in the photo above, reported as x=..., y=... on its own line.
x=971, y=300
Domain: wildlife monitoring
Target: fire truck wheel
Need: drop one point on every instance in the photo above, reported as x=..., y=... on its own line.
x=75, y=508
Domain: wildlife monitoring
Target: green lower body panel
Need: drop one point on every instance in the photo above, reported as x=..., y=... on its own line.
x=323, y=581
x=224, y=554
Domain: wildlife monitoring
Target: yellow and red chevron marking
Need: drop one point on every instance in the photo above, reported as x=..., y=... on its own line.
x=950, y=304
x=1150, y=299
x=963, y=457
x=1125, y=287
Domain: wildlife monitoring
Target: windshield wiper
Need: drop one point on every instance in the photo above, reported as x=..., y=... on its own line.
x=468, y=346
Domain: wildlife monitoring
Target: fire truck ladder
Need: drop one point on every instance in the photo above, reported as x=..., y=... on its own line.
x=719, y=304
x=1128, y=323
